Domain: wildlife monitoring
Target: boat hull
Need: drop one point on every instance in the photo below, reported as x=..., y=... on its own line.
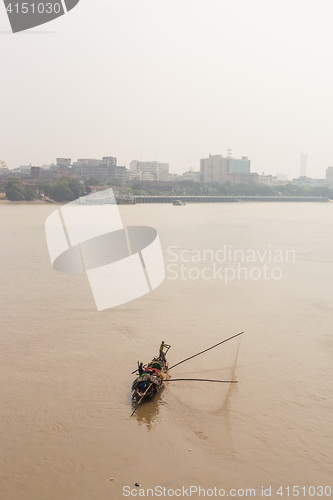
x=152, y=381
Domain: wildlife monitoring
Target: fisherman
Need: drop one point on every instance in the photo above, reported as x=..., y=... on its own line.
x=140, y=368
x=162, y=346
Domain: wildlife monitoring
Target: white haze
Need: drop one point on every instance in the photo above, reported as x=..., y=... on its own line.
x=172, y=80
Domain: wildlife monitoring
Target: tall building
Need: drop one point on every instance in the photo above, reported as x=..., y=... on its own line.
x=329, y=176
x=87, y=162
x=240, y=166
x=110, y=161
x=63, y=162
x=243, y=178
x=102, y=170
x=303, y=165
x=35, y=173
x=216, y=168
x=153, y=169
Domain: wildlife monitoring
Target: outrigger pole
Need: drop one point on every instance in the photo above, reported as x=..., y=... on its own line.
x=137, y=406
x=202, y=380
x=201, y=352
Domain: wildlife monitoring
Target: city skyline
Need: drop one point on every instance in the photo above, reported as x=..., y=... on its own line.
x=97, y=161
x=300, y=171
x=295, y=171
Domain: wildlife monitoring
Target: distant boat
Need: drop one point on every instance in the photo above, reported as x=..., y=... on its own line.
x=178, y=202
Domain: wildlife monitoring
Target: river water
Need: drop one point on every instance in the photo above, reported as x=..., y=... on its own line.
x=66, y=430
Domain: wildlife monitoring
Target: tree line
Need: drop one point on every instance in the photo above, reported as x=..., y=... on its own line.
x=192, y=188
x=69, y=189
x=65, y=189
x=16, y=192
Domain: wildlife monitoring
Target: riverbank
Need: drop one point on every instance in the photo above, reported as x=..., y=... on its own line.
x=25, y=202
x=193, y=199
x=228, y=199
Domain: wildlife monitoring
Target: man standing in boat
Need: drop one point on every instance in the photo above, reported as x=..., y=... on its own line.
x=162, y=346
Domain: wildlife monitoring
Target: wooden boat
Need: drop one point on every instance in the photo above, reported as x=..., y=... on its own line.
x=151, y=381
x=178, y=202
x=153, y=376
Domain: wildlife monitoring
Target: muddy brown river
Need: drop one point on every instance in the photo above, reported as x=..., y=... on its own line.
x=66, y=430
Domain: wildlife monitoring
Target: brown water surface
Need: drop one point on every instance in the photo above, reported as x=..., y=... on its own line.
x=66, y=369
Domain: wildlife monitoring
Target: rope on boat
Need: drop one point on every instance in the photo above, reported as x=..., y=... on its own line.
x=202, y=380
x=194, y=355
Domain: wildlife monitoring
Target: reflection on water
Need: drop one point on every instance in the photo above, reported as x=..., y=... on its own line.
x=148, y=411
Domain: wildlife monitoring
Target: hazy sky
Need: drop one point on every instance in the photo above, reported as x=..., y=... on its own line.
x=172, y=80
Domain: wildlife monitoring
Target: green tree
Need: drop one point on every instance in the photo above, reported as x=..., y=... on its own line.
x=29, y=193
x=76, y=188
x=66, y=189
x=114, y=182
x=14, y=189
x=92, y=182
x=15, y=193
x=137, y=188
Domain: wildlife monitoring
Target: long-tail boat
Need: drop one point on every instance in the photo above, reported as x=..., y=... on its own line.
x=151, y=381
x=153, y=376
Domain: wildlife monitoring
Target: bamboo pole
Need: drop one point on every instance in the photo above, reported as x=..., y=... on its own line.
x=209, y=348
x=143, y=395
x=202, y=380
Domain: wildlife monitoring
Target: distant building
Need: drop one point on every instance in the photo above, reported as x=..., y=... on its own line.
x=87, y=162
x=242, y=166
x=329, y=176
x=154, y=169
x=241, y=178
x=35, y=172
x=148, y=176
x=191, y=176
x=51, y=174
x=63, y=162
x=303, y=165
x=282, y=177
x=120, y=174
x=134, y=176
x=175, y=177
x=25, y=169
x=216, y=168
x=267, y=180
x=307, y=181
x=4, y=171
x=102, y=170
x=110, y=161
